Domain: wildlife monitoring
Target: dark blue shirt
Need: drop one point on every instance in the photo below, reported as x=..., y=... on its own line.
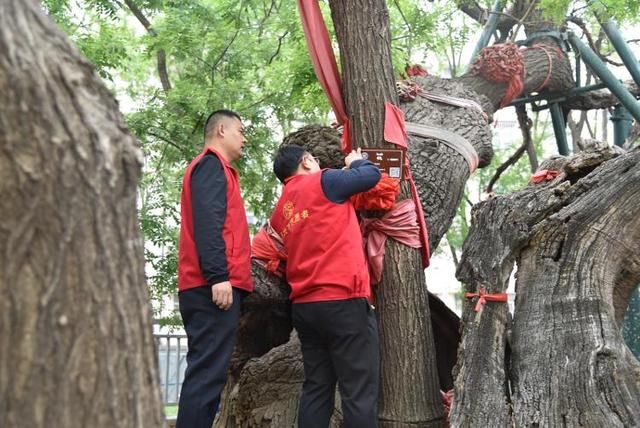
x=340, y=184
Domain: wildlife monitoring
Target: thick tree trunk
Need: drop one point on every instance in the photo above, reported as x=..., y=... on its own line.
x=409, y=392
x=571, y=240
x=75, y=318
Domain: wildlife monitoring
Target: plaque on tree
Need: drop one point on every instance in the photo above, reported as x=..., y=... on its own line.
x=388, y=160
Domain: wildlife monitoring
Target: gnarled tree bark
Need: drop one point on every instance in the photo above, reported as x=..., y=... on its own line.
x=572, y=239
x=71, y=266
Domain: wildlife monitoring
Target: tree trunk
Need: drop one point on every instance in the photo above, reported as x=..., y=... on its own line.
x=571, y=239
x=75, y=319
x=409, y=393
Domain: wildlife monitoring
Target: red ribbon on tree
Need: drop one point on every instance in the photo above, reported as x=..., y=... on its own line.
x=502, y=63
x=543, y=175
x=415, y=70
x=400, y=224
x=484, y=298
x=381, y=197
x=268, y=250
x=324, y=64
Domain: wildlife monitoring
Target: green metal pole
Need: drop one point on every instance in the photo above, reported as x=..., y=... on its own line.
x=488, y=30
x=555, y=98
x=627, y=56
x=601, y=70
x=559, y=128
x=621, y=125
x=631, y=326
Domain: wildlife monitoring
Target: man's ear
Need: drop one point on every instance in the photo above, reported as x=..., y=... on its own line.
x=221, y=130
x=304, y=165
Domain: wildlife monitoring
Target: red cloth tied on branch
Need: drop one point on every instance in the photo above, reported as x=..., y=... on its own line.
x=543, y=175
x=447, y=400
x=400, y=224
x=415, y=70
x=503, y=63
x=324, y=64
x=380, y=198
x=267, y=249
x=484, y=297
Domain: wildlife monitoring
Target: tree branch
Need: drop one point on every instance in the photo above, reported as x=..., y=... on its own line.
x=454, y=255
x=169, y=142
x=634, y=135
x=580, y=23
x=404, y=18
x=161, y=54
x=602, y=98
x=472, y=9
x=525, y=127
x=223, y=53
x=275, y=54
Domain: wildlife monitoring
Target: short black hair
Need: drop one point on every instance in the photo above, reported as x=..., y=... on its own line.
x=214, y=118
x=287, y=160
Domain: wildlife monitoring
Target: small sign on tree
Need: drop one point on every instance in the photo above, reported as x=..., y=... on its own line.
x=388, y=160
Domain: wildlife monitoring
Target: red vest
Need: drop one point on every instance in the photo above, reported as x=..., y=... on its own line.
x=235, y=233
x=323, y=241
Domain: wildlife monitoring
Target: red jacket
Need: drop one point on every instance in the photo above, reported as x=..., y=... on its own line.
x=235, y=233
x=323, y=241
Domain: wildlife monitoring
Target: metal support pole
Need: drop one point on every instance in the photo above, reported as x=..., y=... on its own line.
x=578, y=70
x=559, y=129
x=488, y=30
x=627, y=56
x=631, y=327
x=555, y=98
x=601, y=70
x=621, y=125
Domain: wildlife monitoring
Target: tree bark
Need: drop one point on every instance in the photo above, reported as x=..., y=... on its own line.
x=571, y=240
x=409, y=393
x=75, y=319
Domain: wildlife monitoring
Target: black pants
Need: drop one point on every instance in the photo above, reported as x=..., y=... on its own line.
x=211, y=334
x=339, y=343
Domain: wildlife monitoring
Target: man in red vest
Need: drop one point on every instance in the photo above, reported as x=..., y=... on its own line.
x=214, y=270
x=330, y=287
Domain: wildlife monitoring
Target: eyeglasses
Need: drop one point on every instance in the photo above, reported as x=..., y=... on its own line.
x=312, y=157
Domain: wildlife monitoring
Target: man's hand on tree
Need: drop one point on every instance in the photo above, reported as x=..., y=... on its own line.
x=222, y=295
x=354, y=155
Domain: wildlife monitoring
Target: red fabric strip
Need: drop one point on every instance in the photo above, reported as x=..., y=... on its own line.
x=324, y=62
x=543, y=175
x=399, y=223
x=268, y=250
x=483, y=298
x=394, y=128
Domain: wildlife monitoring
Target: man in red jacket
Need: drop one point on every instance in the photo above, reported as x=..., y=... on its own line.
x=214, y=270
x=330, y=287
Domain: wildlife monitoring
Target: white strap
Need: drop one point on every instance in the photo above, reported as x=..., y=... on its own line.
x=454, y=101
x=451, y=139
